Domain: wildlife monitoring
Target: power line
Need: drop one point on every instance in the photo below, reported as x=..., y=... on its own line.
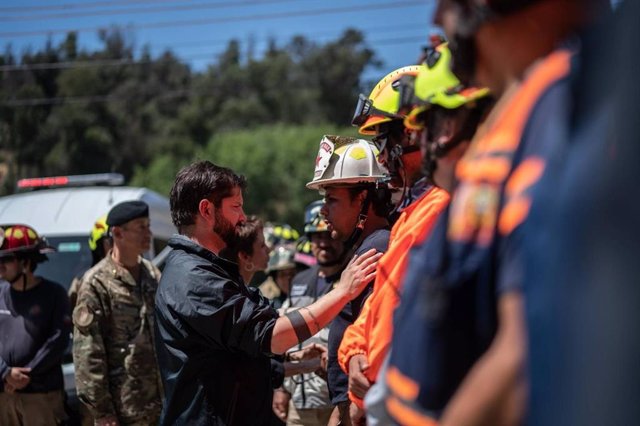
x=230, y=19
x=83, y=5
x=329, y=32
x=205, y=6
x=67, y=65
x=134, y=62
x=119, y=62
x=17, y=103
x=89, y=99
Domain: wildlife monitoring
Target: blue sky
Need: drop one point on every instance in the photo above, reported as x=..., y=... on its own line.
x=198, y=30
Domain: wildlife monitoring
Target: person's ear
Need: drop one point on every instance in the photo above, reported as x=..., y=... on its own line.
x=206, y=210
x=116, y=232
x=243, y=256
x=362, y=196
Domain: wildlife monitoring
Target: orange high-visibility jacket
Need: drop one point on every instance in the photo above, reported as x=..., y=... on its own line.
x=371, y=333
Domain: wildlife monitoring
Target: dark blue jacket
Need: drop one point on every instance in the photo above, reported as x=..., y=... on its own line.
x=213, y=340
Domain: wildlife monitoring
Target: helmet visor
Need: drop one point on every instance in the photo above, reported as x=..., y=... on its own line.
x=408, y=99
x=365, y=109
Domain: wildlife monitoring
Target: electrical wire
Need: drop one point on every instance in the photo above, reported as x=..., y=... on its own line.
x=83, y=5
x=312, y=37
x=118, y=62
x=90, y=99
x=169, y=94
x=148, y=10
x=229, y=19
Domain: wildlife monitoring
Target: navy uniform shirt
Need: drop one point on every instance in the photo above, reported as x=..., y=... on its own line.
x=338, y=381
x=35, y=326
x=582, y=281
x=447, y=318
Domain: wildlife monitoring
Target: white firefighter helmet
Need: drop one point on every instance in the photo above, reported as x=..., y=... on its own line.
x=346, y=160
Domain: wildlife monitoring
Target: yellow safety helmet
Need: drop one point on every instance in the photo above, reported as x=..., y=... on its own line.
x=381, y=106
x=279, y=234
x=98, y=231
x=436, y=84
x=304, y=255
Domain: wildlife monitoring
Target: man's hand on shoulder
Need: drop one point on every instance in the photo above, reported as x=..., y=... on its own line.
x=360, y=271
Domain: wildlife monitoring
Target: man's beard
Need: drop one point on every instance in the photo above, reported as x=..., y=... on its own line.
x=223, y=227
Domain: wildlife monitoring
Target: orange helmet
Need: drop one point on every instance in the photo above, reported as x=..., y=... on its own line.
x=17, y=238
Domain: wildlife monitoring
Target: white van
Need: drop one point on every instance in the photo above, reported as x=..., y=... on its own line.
x=63, y=210
x=66, y=214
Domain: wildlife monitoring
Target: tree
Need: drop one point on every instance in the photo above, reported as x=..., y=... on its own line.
x=277, y=161
x=146, y=116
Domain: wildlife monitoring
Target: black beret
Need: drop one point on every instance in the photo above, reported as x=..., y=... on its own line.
x=127, y=211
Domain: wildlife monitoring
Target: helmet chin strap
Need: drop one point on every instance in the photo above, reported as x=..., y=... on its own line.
x=395, y=155
x=438, y=150
x=362, y=220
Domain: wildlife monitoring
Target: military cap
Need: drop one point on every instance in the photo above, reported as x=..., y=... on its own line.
x=127, y=211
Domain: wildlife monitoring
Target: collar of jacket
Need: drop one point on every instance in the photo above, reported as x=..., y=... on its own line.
x=181, y=242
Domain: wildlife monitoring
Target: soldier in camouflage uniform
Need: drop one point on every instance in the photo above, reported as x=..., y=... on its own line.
x=117, y=377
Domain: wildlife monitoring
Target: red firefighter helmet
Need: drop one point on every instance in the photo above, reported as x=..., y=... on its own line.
x=16, y=238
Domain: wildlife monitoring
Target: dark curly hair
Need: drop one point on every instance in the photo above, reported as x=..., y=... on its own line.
x=198, y=181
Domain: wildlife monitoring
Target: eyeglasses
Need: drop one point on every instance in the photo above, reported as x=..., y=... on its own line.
x=7, y=259
x=365, y=109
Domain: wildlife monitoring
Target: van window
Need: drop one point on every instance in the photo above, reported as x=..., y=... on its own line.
x=72, y=259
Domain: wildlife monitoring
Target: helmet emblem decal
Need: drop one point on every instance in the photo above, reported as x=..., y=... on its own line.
x=322, y=160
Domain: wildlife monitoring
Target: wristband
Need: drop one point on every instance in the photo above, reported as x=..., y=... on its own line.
x=299, y=325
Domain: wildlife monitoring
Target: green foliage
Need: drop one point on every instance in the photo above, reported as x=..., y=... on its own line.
x=277, y=161
x=160, y=174
x=148, y=116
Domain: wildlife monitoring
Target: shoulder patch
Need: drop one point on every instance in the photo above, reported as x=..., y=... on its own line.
x=82, y=316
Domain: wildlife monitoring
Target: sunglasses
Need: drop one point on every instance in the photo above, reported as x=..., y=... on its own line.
x=365, y=109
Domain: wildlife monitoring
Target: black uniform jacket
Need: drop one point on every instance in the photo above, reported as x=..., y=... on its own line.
x=213, y=341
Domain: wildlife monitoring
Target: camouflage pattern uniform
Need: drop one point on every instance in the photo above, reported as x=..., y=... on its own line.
x=74, y=289
x=114, y=356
